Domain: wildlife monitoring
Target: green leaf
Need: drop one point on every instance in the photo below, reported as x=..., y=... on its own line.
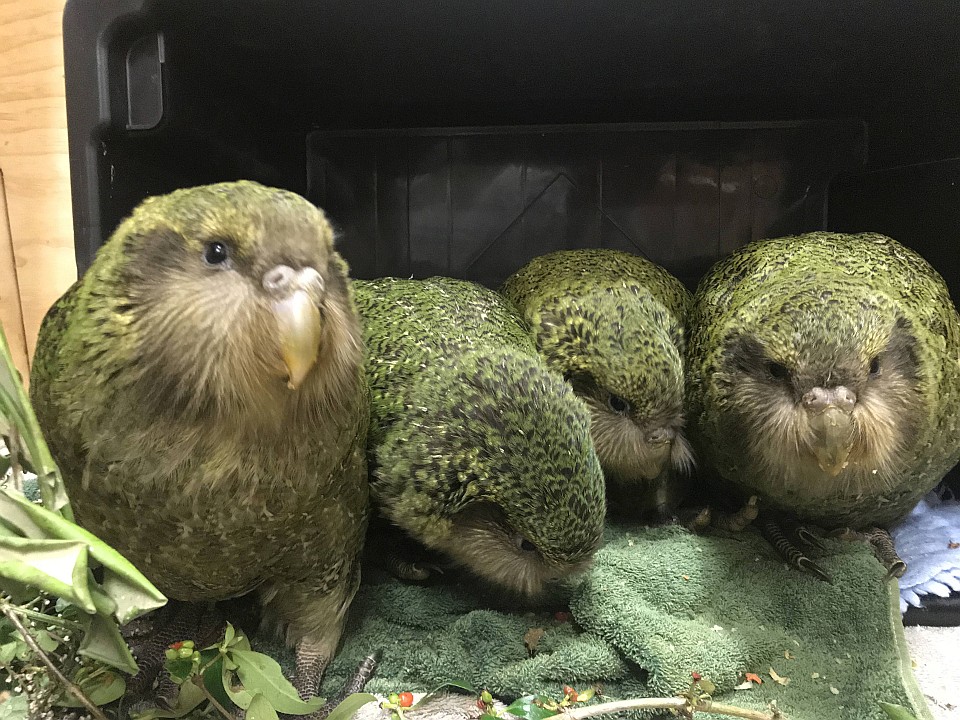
x=15, y=408
x=130, y=592
x=8, y=651
x=58, y=567
x=896, y=712
x=351, y=703
x=102, y=641
x=102, y=689
x=238, y=695
x=179, y=669
x=133, y=594
x=526, y=707
x=14, y=708
x=45, y=641
x=213, y=681
x=228, y=635
x=260, y=673
x=260, y=709
x=190, y=697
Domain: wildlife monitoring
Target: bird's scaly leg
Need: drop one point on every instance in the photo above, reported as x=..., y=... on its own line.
x=785, y=535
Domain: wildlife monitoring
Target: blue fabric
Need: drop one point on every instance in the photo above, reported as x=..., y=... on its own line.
x=923, y=540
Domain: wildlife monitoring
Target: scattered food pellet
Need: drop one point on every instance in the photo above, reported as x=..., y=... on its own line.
x=788, y=655
x=834, y=690
x=777, y=678
x=815, y=676
x=685, y=577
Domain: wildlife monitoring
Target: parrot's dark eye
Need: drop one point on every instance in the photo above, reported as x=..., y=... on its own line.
x=777, y=371
x=524, y=544
x=618, y=404
x=875, y=366
x=215, y=253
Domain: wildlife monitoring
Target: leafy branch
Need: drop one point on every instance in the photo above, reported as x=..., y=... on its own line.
x=43, y=552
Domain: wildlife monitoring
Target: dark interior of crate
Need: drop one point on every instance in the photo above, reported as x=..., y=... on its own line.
x=465, y=137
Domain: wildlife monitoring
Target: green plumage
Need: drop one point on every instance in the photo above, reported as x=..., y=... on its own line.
x=161, y=388
x=477, y=450
x=613, y=324
x=827, y=351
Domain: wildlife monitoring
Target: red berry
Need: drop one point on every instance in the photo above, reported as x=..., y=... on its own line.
x=696, y=676
x=406, y=699
x=176, y=645
x=561, y=615
x=570, y=693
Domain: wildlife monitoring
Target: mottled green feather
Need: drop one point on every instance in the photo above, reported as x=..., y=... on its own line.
x=477, y=450
x=161, y=389
x=781, y=319
x=613, y=324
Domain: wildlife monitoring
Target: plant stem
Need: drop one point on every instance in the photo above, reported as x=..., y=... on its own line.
x=198, y=681
x=677, y=703
x=15, y=469
x=11, y=614
x=47, y=619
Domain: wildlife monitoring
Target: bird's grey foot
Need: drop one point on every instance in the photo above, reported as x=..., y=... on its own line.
x=354, y=684
x=882, y=545
x=311, y=664
x=785, y=535
x=739, y=520
x=150, y=638
x=696, y=519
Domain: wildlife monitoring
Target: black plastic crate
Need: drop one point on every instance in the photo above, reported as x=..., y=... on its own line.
x=425, y=129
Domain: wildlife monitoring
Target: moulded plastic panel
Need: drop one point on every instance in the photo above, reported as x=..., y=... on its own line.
x=479, y=203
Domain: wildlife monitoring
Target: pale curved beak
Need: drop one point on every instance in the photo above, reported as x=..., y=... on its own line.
x=654, y=460
x=296, y=306
x=830, y=411
x=299, y=326
x=833, y=433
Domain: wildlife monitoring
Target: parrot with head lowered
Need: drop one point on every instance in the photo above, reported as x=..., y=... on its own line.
x=477, y=451
x=613, y=324
x=202, y=389
x=824, y=377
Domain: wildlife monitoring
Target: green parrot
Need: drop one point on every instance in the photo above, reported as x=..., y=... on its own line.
x=477, y=451
x=824, y=377
x=613, y=324
x=202, y=389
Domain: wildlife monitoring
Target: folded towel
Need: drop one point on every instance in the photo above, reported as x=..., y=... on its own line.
x=928, y=541
x=658, y=605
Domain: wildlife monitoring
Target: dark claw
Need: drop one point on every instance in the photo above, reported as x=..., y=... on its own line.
x=772, y=529
x=807, y=565
x=809, y=538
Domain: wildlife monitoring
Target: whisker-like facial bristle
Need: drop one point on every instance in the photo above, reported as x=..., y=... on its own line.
x=780, y=440
x=488, y=552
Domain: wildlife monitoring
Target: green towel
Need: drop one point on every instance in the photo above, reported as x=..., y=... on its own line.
x=658, y=605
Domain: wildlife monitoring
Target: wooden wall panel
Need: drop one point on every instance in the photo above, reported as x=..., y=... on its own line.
x=34, y=162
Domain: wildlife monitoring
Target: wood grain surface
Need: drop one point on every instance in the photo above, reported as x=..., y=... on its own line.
x=36, y=241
